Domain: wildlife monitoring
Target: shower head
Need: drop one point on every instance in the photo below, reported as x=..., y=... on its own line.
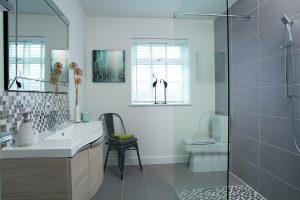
x=287, y=23
x=285, y=20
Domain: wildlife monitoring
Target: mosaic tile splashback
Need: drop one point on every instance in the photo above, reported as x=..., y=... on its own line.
x=40, y=106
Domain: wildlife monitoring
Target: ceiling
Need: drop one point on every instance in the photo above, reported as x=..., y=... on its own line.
x=130, y=8
x=151, y=8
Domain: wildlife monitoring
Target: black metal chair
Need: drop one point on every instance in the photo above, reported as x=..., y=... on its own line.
x=120, y=146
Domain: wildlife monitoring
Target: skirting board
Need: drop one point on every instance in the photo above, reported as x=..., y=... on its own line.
x=151, y=160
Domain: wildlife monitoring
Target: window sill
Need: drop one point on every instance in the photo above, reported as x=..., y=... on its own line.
x=159, y=104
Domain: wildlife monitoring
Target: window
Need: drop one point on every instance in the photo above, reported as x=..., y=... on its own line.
x=165, y=59
x=30, y=59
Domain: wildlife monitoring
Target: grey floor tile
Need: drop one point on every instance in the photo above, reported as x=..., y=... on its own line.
x=204, y=180
x=110, y=190
x=111, y=173
x=136, y=189
x=133, y=171
x=160, y=188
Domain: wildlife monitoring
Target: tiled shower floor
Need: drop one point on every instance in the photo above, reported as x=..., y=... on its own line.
x=170, y=182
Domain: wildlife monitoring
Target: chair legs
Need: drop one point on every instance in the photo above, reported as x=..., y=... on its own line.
x=138, y=154
x=108, y=150
x=121, y=157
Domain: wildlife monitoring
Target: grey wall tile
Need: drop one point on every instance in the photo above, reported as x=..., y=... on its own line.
x=273, y=102
x=278, y=132
x=272, y=72
x=280, y=163
x=245, y=100
x=271, y=40
x=245, y=124
x=242, y=7
x=245, y=52
x=245, y=28
x=245, y=76
x=247, y=172
x=274, y=189
x=297, y=66
x=245, y=147
x=272, y=10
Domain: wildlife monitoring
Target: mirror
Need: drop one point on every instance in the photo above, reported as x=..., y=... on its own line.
x=36, y=38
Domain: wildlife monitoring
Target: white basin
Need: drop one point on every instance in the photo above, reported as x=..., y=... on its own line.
x=62, y=143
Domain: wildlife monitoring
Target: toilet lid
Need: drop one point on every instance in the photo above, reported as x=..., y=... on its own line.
x=198, y=139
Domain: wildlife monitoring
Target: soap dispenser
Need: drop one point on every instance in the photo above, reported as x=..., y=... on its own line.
x=25, y=135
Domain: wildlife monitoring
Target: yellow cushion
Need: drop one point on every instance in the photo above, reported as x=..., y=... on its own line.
x=123, y=136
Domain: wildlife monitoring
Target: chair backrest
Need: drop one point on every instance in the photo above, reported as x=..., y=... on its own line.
x=109, y=123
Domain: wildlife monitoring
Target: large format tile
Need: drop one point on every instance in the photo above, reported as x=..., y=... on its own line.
x=135, y=189
x=297, y=65
x=110, y=190
x=245, y=171
x=280, y=163
x=271, y=40
x=245, y=76
x=245, y=147
x=274, y=189
x=244, y=28
x=205, y=180
x=245, y=124
x=274, y=102
x=160, y=188
x=278, y=132
x=245, y=100
x=272, y=71
x=242, y=7
x=245, y=52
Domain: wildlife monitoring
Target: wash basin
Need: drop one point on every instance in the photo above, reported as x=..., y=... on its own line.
x=65, y=142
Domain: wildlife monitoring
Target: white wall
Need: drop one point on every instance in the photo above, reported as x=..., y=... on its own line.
x=77, y=45
x=154, y=126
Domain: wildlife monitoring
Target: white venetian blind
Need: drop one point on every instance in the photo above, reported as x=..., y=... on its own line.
x=30, y=61
x=165, y=59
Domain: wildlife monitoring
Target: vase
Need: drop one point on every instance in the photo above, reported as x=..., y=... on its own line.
x=77, y=114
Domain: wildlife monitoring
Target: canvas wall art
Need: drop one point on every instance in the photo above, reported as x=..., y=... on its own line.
x=108, y=66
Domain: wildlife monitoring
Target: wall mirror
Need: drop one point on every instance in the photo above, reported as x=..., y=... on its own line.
x=35, y=38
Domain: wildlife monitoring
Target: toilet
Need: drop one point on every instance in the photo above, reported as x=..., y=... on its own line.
x=207, y=154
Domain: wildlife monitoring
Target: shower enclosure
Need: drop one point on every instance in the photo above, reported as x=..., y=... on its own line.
x=252, y=76
x=205, y=25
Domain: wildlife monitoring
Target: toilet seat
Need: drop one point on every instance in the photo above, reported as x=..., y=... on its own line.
x=198, y=140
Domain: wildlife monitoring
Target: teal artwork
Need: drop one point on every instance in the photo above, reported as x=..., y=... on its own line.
x=109, y=66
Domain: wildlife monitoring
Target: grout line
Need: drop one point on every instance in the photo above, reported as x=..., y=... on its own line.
x=147, y=182
x=232, y=23
x=283, y=181
x=242, y=135
x=259, y=97
x=245, y=39
x=279, y=148
x=245, y=160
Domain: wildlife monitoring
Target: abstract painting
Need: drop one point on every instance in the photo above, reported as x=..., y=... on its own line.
x=109, y=66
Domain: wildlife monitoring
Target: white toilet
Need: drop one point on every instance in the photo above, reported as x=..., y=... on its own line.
x=209, y=154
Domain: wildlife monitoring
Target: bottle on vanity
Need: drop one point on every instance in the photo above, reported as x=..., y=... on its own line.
x=25, y=135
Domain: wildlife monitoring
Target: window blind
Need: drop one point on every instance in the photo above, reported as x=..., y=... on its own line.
x=165, y=59
x=28, y=58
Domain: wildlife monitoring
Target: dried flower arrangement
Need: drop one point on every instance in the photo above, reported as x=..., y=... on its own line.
x=55, y=75
x=77, y=80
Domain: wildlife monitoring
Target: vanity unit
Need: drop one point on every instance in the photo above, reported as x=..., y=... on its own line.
x=65, y=165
